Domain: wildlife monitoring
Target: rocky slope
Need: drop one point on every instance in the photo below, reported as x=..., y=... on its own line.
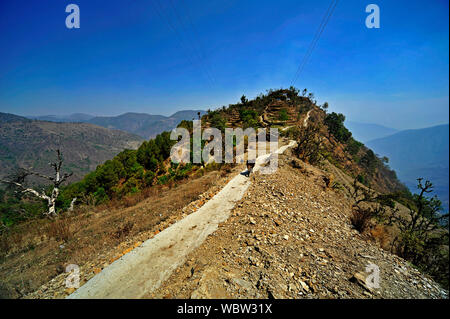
x=290, y=237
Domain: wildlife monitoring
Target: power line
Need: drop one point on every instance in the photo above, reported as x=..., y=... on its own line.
x=316, y=38
x=303, y=61
x=192, y=43
x=160, y=11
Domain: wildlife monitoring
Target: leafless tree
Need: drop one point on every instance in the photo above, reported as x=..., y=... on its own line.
x=368, y=204
x=57, y=180
x=424, y=216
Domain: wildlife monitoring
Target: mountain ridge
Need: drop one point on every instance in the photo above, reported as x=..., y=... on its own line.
x=368, y=131
x=418, y=153
x=30, y=143
x=143, y=124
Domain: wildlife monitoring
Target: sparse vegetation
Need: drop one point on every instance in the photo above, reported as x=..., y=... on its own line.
x=369, y=161
x=123, y=230
x=353, y=147
x=423, y=237
x=60, y=230
x=368, y=205
x=308, y=143
x=361, y=219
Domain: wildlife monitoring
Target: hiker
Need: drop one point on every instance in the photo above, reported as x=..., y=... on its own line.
x=250, y=166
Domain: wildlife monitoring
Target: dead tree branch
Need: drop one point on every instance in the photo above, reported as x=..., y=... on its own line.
x=56, y=180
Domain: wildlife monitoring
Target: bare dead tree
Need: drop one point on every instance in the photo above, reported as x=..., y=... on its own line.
x=56, y=180
x=72, y=204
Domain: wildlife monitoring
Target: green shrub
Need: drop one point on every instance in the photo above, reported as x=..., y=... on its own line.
x=163, y=179
x=100, y=196
x=217, y=121
x=360, y=178
x=148, y=178
x=249, y=117
x=131, y=185
x=283, y=116
x=353, y=146
x=369, y=160
x=335, y=123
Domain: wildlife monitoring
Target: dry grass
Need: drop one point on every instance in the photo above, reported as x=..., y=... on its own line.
x=9, y=240
x=4, y=244
x=60, y=230
x=360, y=219
x=381, y=236
x=34, y=255
x=123, y=230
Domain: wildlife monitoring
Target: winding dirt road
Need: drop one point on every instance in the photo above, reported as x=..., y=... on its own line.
x=144, y=269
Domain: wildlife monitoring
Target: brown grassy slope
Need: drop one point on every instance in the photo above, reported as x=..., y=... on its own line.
x=93, y=237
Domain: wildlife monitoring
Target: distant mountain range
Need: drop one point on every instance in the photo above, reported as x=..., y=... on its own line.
x=31, y=144
x=145, y=125
x=364, y=132
x=76, y=117
x=419, y=153
x=412, y=153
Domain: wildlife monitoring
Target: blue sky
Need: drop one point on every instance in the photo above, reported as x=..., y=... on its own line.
x=161, y=56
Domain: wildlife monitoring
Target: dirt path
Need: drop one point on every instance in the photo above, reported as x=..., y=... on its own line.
x=305, y=121
x=145, y=268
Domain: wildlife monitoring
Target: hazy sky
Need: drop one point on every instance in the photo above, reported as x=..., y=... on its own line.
x=160, y=56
